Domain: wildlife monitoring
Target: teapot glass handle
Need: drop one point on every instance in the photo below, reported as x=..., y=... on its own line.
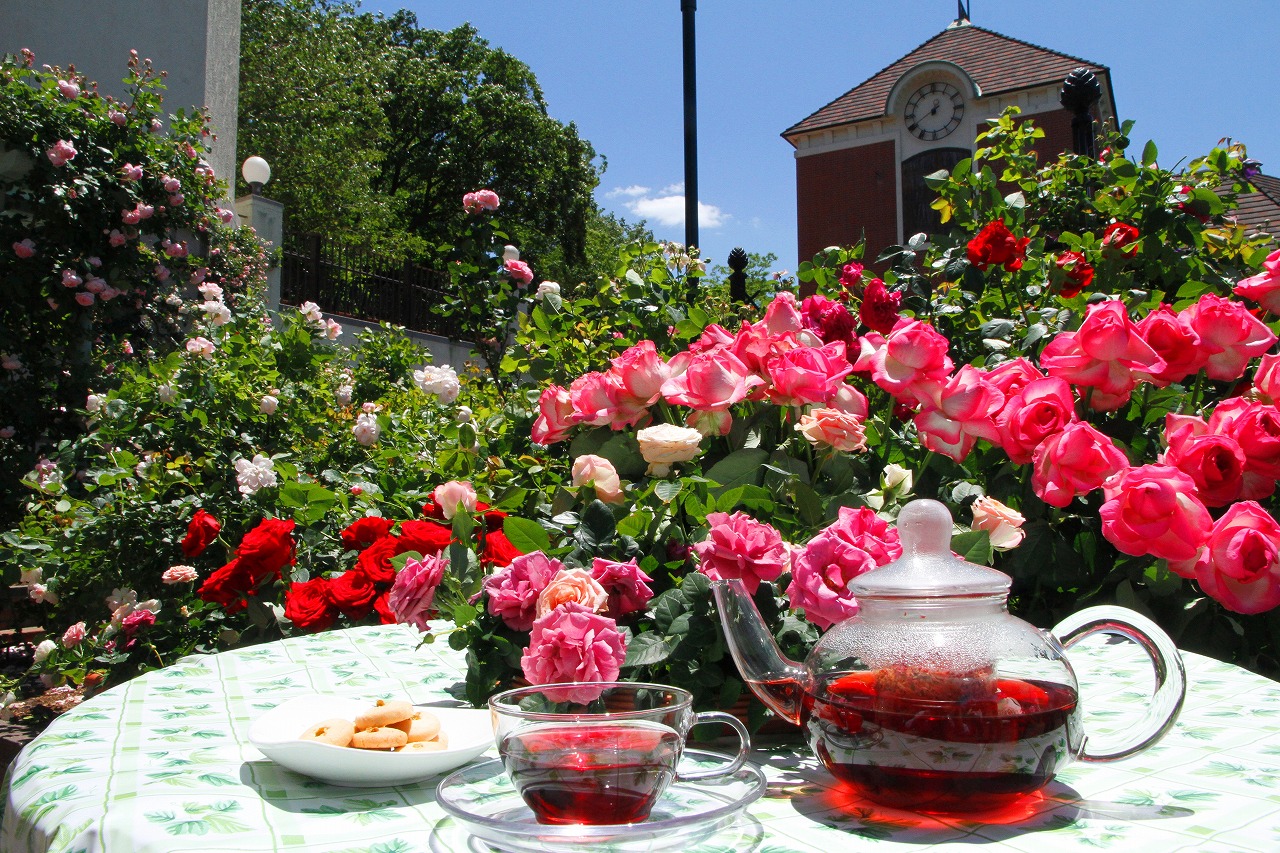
x=1171, y=677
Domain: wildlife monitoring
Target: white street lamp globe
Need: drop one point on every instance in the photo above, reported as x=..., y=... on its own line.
x=256, y=173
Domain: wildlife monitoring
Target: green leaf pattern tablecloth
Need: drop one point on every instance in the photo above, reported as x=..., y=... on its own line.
x=163, y=763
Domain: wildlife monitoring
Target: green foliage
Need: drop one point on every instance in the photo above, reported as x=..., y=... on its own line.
x=110, y=250
x=376, y=127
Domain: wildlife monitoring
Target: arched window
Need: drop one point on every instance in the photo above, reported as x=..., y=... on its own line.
x=917, y=215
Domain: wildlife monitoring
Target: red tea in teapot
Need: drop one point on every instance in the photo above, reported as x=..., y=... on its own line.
x=942, y=742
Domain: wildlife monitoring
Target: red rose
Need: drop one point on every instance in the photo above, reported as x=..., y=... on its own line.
x=364, y=532
x=880, y=308
x=267, y=548
x=498, y=550
x=995, y=244
x=353, y=593
x=375, y=561
x=425, y=537
x=307, y=605
x=1120, y=240
x=382, y=606
x=1077, y=273
x=202, y=530
x=227, y=586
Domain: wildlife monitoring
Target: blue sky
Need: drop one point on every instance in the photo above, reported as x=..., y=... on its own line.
x=1186, y=71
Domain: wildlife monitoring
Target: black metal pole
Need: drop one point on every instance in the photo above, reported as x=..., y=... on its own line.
x=687, y=8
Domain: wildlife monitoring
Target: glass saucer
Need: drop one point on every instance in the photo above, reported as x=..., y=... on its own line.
x=481, y=800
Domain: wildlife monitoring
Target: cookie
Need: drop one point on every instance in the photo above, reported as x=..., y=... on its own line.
x=423, y=725
x=335, y=731
x=383, y=713
x=434, y=745
x=379, y=738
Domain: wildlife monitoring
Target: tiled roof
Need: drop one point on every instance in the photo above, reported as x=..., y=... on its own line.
x=1260, y=210
x=996, y=63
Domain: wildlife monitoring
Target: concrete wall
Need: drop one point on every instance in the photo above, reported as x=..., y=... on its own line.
x=196, y=41
x=443, y=351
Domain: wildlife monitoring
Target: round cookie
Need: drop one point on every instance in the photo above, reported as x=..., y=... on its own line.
x=423, y=725
x=383, y=713
x=379, y=738
x=439, y=743
x=335, y=731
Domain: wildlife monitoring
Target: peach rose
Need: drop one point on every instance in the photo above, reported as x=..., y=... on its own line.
x=1003, y=525
x=455, y=495
x=576, y=585
x=600, y=474
x=834, y=428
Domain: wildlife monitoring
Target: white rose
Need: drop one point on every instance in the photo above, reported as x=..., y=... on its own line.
x=895, y=478
x=665, y=444
x=45, y=649
x=267, y=405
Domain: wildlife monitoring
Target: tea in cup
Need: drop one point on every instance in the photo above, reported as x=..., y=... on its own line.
x=600, y=752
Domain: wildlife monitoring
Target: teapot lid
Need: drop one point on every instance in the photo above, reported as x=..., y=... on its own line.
x=927, y=567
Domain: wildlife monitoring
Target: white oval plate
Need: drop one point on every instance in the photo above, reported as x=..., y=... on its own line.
x=276, y=734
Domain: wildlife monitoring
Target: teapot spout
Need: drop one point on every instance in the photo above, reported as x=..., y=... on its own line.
x=778, y=681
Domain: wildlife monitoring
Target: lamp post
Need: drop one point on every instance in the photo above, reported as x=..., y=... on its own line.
x=256, y=172
x=265, y=216
x=687, y=8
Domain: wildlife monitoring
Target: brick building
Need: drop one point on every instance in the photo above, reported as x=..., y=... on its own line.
x=861, y=159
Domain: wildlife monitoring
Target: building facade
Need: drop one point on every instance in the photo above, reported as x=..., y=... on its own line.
x=861, y=159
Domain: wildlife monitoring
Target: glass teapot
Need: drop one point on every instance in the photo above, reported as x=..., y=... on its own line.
x=933, y=697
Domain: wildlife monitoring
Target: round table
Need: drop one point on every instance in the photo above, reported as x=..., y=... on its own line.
x=162, y=764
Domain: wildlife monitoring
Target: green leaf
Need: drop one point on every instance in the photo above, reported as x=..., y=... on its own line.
x=668, y=490
x=1150, y=153
x=597, y=525
x=974, y=546
x=742, y=467
x=527, y=536
x=646, y=649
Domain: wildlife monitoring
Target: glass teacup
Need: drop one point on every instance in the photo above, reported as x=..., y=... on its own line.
x=600, y=752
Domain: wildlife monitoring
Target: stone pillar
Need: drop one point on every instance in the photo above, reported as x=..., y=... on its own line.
x=266, y=217
x=196, y=41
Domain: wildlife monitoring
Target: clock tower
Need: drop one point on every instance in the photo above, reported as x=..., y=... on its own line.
x=861, y=159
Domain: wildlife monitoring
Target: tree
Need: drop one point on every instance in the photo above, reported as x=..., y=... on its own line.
x=379, y=127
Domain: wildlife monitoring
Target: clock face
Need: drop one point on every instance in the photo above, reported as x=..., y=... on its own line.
x=935, y=109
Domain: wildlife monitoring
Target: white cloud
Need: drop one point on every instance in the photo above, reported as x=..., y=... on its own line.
x=666, y=208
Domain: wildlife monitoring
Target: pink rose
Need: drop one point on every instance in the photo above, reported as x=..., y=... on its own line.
x=573, y=645
x=600, y=474
x=413, y=594
x=912, y=352
x=964, y=411
x=556, y=417
x=68, y=89
x=514, y=589
x=1013, y=375
x=834, y=428
x=625, y=583
x=1229, y=334
x=782, y=315
x=1153, y=510
x=572, y=585
x=1039, y=409
x=130, y=173
x=138, y=620
x=831, y=320
x=593, y=398
x=1240, y=563
x=711, y=382
x=454, y=495
x=1103, y=354
x=519, y=272
x=179, y=574
x=1213, y=461
x=1176, y=342
x=1256, y=427
x=24, y=248
x=738, y=546
x=1074, y=462
x=639, y=372
x=713, y=337
x=857, y=542
x=487, y=199
x=75, y=635
x=1003, y=524
x=61, y=153
x=116, y=238
x=85, y=299
x=808, y=374
x=117, y=117
x=1266, y=380
x=1264, y=288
